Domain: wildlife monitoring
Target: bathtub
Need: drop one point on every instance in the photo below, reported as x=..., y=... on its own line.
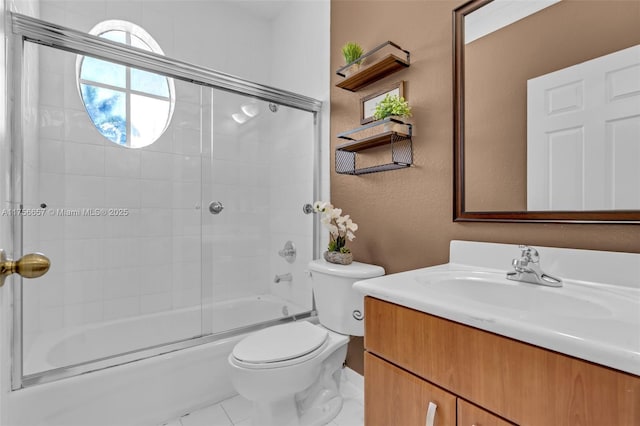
x=142, y=392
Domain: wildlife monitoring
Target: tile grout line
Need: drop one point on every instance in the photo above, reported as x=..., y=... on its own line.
x=224, y=410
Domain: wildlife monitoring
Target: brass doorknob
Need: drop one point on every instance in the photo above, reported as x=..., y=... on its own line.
x=32, y=265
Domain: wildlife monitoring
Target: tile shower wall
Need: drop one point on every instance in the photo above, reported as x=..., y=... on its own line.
x=95, y=277
x=111, y=268
x=240, y=164
x=291, y=175
x=106, y=268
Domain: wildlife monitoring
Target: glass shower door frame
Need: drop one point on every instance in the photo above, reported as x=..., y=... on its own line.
x=28, y=29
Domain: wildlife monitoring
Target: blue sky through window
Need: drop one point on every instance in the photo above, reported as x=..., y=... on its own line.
x=128, y=106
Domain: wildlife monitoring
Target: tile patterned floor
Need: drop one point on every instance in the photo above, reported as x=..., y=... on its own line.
x=235, y=411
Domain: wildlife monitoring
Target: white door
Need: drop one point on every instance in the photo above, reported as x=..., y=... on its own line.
x=583, y=135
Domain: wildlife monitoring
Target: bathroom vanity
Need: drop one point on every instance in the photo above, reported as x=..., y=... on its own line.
x=548, y=356
x=414, y=358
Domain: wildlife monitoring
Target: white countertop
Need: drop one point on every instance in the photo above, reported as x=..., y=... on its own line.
x=597, y=322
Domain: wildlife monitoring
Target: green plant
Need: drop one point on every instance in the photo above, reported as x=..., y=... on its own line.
x=352, y=51
x=392, y=105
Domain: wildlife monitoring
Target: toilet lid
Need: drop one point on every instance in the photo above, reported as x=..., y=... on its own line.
x=280, y=343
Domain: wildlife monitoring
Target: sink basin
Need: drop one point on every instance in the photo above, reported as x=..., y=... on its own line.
x=496, y=292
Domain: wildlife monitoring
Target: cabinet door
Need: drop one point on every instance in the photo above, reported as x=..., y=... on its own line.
x=470, y=415
x=393, y=397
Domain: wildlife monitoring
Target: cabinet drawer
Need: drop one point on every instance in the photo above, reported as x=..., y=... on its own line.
x=517, y=381
x=394, y=397
x=470, y=415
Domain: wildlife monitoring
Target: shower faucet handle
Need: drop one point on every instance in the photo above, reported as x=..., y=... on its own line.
x=288, y=252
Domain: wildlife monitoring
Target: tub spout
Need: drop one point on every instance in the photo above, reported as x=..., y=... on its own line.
x=283, y=277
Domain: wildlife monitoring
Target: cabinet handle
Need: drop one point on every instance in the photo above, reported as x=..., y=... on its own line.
x=431, y=414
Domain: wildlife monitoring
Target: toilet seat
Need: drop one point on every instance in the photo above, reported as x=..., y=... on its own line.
x=280, y=345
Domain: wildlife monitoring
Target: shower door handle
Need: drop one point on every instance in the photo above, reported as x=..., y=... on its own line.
x=215, y=207
x=32, y=265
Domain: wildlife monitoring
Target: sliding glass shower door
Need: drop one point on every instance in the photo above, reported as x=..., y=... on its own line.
x=170, y=204
x=110, y=179
x=262, y=165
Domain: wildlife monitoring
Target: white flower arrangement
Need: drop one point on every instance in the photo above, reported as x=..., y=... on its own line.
x=341, y=228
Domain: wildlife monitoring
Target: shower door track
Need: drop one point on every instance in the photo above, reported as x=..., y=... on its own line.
x=26, y=28
x=53, y=35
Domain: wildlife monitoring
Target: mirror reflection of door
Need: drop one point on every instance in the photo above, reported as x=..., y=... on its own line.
x=583, y=135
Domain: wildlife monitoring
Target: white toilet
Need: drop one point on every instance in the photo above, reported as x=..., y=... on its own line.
x=291, y=371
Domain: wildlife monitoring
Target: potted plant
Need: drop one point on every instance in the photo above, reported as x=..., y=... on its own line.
x=392, y=106
x=352, y=52
x=341, y=228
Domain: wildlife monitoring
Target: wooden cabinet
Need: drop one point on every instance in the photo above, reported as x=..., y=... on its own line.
x=395, y=397
x=510, y=380
x=471, y=415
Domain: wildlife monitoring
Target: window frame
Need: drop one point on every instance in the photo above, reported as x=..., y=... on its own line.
x=130, y=30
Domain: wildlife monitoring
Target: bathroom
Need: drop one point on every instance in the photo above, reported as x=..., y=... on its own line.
x=404, y=216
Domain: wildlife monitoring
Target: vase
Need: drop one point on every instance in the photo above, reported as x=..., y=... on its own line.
x=352, y=70
x=338, y=258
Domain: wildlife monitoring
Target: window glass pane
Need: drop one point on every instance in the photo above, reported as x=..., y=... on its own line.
x=148, y=119
x=119, y=36
x=104, y=72
x=148, y=82
x=108, y=111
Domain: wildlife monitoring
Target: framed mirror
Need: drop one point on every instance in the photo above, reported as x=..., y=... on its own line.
x=547, y=111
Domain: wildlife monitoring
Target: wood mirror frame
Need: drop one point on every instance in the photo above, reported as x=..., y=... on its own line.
x=460, y=214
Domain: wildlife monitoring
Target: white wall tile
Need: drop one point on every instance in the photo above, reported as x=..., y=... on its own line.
x=53, y=189
x=122, y=162
x=83, y=255
x=156, y=165
x=78, y=127
x=186, y=195
x=84, y=191
x=156, y=222
x=156, y=193
x=123, y=226
x=84, y=159
x=186, y=136
x=83, y=287
x=83, y=226
x=150, y=303
x=52, y=122
x=122, y=193
x=122, y=252
x=156, y=280
x=121, y=308
x=51, y=88
x=52, y=156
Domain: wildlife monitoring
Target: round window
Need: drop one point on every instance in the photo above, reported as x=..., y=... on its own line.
x=128, y=106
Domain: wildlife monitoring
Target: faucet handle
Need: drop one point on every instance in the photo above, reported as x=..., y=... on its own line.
x=529, y=253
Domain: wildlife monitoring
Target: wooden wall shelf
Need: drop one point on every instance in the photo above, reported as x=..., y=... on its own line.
x=380, y=68
x=399, y=142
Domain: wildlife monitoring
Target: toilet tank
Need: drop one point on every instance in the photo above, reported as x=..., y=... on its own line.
x=340, y=307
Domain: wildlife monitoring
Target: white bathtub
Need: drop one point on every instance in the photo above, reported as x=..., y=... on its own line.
x=144, y=392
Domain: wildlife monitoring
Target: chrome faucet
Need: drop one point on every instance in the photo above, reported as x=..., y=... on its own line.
x=527, y=269
x=283, y=277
